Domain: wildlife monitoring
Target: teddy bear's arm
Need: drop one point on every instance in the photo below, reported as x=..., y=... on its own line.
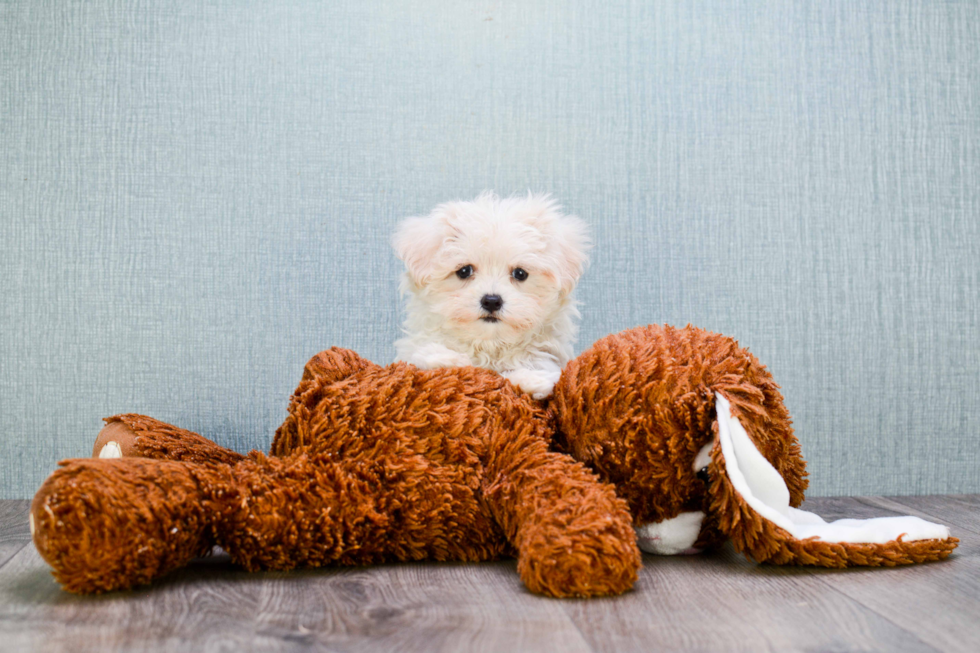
x=138, y=436
x=573, y=535
x=334, y=364
x=331, y=366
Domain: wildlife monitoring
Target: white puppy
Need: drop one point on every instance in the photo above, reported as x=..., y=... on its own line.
x=489, y=283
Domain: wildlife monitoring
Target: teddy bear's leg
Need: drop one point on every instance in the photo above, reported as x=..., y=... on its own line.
x=573, y=535
x=309, y=510
x=139, y=436
x=113, y=524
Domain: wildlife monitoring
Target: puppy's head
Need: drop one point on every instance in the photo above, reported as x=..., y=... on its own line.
x=493, y=269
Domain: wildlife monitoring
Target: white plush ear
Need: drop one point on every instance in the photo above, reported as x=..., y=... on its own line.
x=752, y=486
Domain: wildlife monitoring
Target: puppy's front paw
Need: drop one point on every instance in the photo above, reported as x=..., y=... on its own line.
x=537, y=383
x=433, y=355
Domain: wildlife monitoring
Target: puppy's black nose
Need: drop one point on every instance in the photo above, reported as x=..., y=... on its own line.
x=491, y=303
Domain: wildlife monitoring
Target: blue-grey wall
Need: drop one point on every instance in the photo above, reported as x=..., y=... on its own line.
x=195, y=197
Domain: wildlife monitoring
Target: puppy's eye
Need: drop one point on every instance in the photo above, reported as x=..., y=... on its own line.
x=520, y=274
x=703, y=475
x=465, y=272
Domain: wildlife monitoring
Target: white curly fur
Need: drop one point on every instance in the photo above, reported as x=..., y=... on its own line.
x=446, y=326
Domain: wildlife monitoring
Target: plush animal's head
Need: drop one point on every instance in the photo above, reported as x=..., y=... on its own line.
x=638, y=407
x=492, y=270
x=692, y=430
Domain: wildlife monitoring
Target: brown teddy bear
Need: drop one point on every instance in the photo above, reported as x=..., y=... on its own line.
x=673, y=439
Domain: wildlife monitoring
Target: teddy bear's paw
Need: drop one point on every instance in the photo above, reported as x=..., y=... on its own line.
x=110, y=449
x=606, y=569
x=596, y=559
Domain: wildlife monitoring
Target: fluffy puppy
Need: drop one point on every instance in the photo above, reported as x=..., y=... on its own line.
x=490, y=283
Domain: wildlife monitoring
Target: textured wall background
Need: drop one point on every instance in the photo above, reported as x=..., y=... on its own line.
x=196, y=197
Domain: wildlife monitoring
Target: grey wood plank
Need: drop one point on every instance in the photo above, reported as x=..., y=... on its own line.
x=451, y=607
x=13, y=520
x=938, y=602
x=960, y=511
x=715, y=602
x=956, y=510
x=212, y=606
x=723, y=602
x=14, y=529
x=831, y=508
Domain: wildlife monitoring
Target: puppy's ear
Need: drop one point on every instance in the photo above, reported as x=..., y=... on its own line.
x=571, y=238
x=418, y=239
x=568, y=238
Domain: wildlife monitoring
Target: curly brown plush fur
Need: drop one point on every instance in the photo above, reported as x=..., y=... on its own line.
x=645, y=436
x=639, y=405
x=396, y=463
x=372, y=464
x=763, y=541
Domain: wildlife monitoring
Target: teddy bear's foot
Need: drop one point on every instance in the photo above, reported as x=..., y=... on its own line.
x=114, y=524
x=115, y=440
x=600, y=563
x=139, y=436
x=573, y=535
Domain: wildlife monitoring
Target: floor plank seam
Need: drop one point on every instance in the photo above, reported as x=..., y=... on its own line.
x=15, y=553
x=573, y=621
x=17, y=540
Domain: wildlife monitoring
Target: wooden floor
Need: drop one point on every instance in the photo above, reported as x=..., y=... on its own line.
x=718, y=602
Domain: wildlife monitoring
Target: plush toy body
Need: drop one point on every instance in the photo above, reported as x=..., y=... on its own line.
x=372, y=464
x=693, y=431
x=395, y=463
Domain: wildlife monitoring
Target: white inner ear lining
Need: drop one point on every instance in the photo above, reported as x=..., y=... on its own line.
x=764, y=490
